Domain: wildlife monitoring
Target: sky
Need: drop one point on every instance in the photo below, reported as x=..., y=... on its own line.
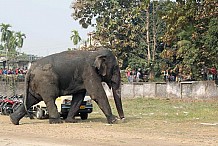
x=47, y=24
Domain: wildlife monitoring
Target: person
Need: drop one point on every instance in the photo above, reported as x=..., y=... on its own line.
x=172, y=75
x=5, y=71
x=189, y=77
x=1, y=71
x=128, y=75
x=17, y=71
x=204, y=73
x=138, y=75
x=133, y=75
x=213, y=72
x=166, y=75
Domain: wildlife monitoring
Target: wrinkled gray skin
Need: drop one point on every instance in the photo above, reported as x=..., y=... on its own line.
x=72, y=73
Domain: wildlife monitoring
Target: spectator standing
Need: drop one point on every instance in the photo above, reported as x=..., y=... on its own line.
x=213, y=72
x=17, y=71
x=166, y=75
x=133, y=75
x=172, y=76
x=128, y=75
x=1, y=71
x=204, y=73
x=138, y=75
x=5, y=71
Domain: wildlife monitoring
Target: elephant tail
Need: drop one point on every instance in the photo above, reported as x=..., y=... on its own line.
x=27, y=80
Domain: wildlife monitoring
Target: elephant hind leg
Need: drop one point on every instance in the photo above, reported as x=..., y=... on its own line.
x=75, y=105
x=18, y=114
x=54, y=116
x=49, y=98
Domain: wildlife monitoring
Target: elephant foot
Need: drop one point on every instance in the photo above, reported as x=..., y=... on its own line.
x=123, y=120
x=71, y=120
x=112, y=120
x=14, y=119
x=55, y=121
x=17, y=115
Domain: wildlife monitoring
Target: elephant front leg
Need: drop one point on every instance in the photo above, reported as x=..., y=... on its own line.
x=106, y=109
x=54, y=116
x=97, y=93
x=75, y=105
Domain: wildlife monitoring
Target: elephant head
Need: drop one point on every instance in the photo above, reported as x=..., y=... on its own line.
x=108, y=68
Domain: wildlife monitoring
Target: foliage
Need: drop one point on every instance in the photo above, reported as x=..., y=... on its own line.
x=187, y=31
x=181, y=34
x=211, y=41
x=10, y=41
x=75, y=37
x=114, y=20
x=120, y=25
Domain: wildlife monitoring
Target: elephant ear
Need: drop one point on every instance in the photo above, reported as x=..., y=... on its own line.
x=100, y=64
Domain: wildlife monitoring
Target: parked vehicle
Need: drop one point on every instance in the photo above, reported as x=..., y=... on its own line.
x=85, y=108
x=18, y=100
x=2, y=98
x=8, y=105
x=63, y=104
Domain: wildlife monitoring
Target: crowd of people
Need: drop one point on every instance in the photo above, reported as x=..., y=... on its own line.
x=18, y=73
x=209, y=73
x=15, y=71
x=171, y=75
x=206, y=73
x=138, y=75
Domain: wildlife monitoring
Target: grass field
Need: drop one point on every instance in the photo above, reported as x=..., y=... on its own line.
x=149, y=122
x=167, y=110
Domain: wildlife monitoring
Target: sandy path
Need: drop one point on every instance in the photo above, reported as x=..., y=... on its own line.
x=40, y=133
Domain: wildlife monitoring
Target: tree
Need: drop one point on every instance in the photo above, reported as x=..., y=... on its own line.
x=75, y=37
x=6, y=33
x=125, y=27
x=19, y=39
x=187, y=25
x=11, y=41
x=211, y=41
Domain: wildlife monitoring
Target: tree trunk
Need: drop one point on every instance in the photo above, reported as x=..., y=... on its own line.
x=154, y=33
x=147, y=34
x=151, y=74
x=154, y=42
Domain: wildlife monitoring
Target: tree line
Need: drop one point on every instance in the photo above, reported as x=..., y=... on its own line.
x=155, y=35
x=10, y=43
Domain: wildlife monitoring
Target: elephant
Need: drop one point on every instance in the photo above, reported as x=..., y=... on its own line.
x=72, y=73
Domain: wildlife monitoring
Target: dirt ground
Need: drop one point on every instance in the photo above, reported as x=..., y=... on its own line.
x=95, y=132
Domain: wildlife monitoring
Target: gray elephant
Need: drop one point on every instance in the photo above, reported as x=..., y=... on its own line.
x=72, y=73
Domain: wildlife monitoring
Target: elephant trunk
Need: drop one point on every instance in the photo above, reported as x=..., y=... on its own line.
x=118, y=102
x=116, y=89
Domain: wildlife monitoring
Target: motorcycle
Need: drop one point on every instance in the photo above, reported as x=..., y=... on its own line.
x=9, y=105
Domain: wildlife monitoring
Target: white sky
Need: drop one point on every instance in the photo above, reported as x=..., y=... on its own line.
x=47, y=24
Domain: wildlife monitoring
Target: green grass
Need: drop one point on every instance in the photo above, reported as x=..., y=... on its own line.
x=170, y=110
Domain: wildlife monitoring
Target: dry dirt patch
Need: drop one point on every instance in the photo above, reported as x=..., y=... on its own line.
x=93, y=132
